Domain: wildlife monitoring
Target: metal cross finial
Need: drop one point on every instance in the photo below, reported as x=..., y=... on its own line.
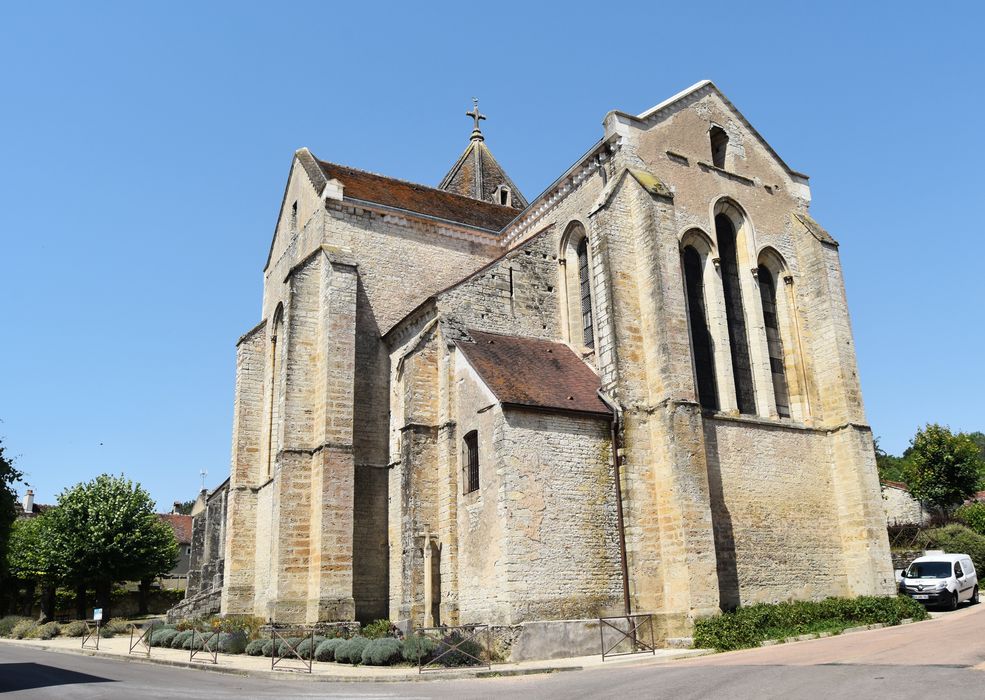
x=204, y=473
x=475, y=115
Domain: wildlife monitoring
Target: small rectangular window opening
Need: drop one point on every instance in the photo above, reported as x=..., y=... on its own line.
x=470, y=462
x=719, y=146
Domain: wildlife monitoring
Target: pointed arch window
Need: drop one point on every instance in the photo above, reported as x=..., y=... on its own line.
x=585, y=290
x=701, y=340
x=774, y=341
x=719, y=146
x=738, y=338
x=273, y=413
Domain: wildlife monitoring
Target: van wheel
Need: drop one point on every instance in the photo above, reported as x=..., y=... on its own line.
x=974, y=596
x=953, y=603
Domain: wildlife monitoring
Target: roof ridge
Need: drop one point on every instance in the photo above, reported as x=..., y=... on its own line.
x=418, y=184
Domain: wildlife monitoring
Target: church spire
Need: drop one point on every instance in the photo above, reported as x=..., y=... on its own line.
x=476, y=173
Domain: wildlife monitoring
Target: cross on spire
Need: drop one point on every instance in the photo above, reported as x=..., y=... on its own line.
x=476, y=116
x=203, y=473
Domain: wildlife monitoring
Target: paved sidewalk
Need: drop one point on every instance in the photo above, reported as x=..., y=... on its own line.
x=258, y=666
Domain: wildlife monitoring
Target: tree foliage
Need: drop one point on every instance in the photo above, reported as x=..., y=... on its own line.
x=105, y=530
x=891, y=467
x=31, y=555
x=942, y=469
x=9, y=475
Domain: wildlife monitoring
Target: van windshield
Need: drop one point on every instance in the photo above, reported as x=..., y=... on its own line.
x=929, y=569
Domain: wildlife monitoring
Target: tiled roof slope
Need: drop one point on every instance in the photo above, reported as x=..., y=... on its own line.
x=181, y=524
x=369, y=187
x=534, y=373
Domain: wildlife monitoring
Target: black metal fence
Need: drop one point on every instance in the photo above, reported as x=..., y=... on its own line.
x=627, y=634
x=285, y=652
x=205, y=645
x=92, y=630
x=143, y=637
x=441, y=648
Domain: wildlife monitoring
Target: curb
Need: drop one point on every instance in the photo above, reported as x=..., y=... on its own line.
x=287, y=674
x=824, y=635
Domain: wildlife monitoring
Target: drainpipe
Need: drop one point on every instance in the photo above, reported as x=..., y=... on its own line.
x=616, y=459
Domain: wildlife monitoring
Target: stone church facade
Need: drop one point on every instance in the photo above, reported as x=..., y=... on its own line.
x=637, y=389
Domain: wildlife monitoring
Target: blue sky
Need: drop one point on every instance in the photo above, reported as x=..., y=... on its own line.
x=144, y=150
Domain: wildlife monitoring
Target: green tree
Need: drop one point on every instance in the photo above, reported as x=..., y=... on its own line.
x=105, y=531
x=8, y=500
x=32, y=560
x=943, y=468
x=891, y=467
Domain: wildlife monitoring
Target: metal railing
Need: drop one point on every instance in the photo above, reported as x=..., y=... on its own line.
x=143, y=637
x=285, y=649
x=209, y=648
x=629, y=640
x=465, y=645
x=92, y=630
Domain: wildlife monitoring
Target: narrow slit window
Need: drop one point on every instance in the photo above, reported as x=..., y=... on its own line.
x=719, y=146
x=585, y=285
x=470, y=462
x=774, y=341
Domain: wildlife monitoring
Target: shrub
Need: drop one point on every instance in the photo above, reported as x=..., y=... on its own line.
x=326, y=650
x=382, y=652
x=351, y=650
x=74, y=629
x=255, y=647
x=268, y=647
x=250, y=625
x=49, y=630
x=464, y=654
x=178, y=641
x=232, y=642
x=417, y=647
x=8, y=623
x=379, y=629
x=747, y=627
x=186, y=624
x=973, y=515
x=195, y=640
x=110, y=628
x=305, y=648
x=956, y=539
x=163, y=637
x=23, y=629
x=284, y=646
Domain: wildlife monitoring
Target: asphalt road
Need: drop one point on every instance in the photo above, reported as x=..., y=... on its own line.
x=941, y=659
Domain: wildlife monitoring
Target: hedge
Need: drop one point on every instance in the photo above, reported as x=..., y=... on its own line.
x=383, y=651
x=973, y=515
x=956, y=539
x=417, y=647
x=326, y=650
x=747, y=627
x=351, y=650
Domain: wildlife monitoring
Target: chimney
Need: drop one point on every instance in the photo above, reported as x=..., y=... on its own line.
x=174, y=508
x=29, y=501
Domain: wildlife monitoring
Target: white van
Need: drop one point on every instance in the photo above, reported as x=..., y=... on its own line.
x=941, y=579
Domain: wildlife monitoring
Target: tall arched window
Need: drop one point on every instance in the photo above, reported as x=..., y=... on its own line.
x=704, y=362
x=745, y=395
x=774, y=341
x=585, y=292
x=273, y=412
x=577, y=283
x=719, y=146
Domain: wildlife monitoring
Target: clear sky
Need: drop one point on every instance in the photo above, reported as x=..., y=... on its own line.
x=144, y=150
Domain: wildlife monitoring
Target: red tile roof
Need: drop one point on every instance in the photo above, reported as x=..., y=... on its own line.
x=390, y=192
x=181, y=524
x=534, y=373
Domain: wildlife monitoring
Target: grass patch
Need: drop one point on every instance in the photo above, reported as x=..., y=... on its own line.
x=747, y=627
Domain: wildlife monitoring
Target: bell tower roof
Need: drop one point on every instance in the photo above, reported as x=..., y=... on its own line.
x=478, y=175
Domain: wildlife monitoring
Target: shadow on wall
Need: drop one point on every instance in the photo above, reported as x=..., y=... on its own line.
x=721, y=521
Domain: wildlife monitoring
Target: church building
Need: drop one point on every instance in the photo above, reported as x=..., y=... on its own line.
x=635, y=391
